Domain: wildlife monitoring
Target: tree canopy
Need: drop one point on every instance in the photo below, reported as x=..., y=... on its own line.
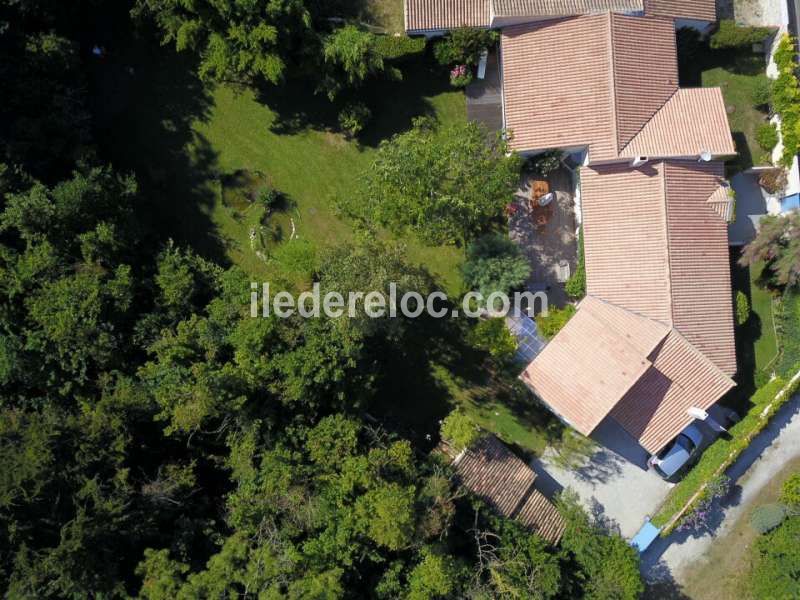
x=446, y=184
x=778, y=245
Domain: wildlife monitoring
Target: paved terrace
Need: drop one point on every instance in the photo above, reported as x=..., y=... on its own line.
x=484, y=97
x=552, y=249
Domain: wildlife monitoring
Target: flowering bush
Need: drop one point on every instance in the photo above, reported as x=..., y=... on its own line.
x=460, y=76
x=697, y=519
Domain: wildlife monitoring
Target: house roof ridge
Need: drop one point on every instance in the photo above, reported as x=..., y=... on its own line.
x=613, y=87
x=664, y=204
x=634, y=137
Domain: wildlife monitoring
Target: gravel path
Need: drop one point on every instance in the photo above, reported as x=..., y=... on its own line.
x=668, y=558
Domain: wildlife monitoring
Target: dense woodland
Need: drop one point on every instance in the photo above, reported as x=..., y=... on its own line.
x=156, y=441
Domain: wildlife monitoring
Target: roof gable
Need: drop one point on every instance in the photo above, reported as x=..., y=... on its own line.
x=593, y=361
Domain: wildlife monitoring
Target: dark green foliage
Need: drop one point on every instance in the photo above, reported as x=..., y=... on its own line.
x=787, y=323
x=731, y=35
x=742, y=308
x=495, y=264
x=350, y=56
x=463, y=46
x=576, y=284
x=776, y=562
x=545, y=163
x=493, y=336
x=767, y=517
x=549, y=325
x=399, y=46
x=237, y=41
x=608, y=566
x=767, y=136
x=354, y=117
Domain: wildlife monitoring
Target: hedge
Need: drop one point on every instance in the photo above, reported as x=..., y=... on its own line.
x=720, y=455
x=786, y=98
x=395, y=46
x=731, y=35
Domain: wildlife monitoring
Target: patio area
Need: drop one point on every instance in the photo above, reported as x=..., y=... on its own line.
x=547, y=235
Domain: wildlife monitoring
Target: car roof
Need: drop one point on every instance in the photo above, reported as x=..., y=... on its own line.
x=674, y=459
x=693, y=432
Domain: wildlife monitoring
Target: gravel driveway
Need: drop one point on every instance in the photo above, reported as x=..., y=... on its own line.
x=779, y=443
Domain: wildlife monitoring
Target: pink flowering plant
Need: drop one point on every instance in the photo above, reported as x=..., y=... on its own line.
x=460, y=76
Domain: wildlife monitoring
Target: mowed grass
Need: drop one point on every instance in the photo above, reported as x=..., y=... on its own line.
x=737, y=74
x=387, y=14
x=766, y=344
x=314, y=167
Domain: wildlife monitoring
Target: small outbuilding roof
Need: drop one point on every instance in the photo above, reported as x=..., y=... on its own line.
x=498, y=476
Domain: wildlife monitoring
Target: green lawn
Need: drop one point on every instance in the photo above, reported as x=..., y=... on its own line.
x=313, y=166
x=756, y=344
x=737, y=74
x=766, y=344
x=387, y=14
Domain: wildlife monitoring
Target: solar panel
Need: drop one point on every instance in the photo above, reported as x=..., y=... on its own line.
x=529, y=344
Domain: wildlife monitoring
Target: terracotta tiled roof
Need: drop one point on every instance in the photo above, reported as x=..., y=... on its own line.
x=656, y=250
x=654, y=411
x=660, y=214
x=556, y=78
x=593, y=361
x=604, y=90
x=562, y=8
x=691, y=122
x=495, y=474
x=700, y=10
x=625, y=238
x=700, y=275
x=437, y=15
x=540, y=515
x=722, y=202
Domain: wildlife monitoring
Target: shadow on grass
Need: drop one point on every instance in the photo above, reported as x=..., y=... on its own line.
x=434, y=369
x=738, y=398
x=145, y=98
x=394, y=104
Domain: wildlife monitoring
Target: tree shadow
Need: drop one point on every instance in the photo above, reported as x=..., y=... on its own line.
x=746, y=335
x=661, y=585
x=145, y=99
x=394, y=104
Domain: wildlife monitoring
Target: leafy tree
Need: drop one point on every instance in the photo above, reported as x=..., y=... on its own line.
x=459, y=430
x=608, y=566
x=551, y=323
x=493, y=336
x=495, y=264
x=351, y=55
x=236, y=41
x=447, y=184
x=464, y=45
x=354, y=117
x=435, y=576
x=778, y=245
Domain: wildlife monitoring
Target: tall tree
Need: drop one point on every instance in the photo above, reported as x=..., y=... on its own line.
x=237, y=40
x=778, y=245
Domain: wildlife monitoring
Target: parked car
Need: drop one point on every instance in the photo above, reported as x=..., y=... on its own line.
x=674, y=460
